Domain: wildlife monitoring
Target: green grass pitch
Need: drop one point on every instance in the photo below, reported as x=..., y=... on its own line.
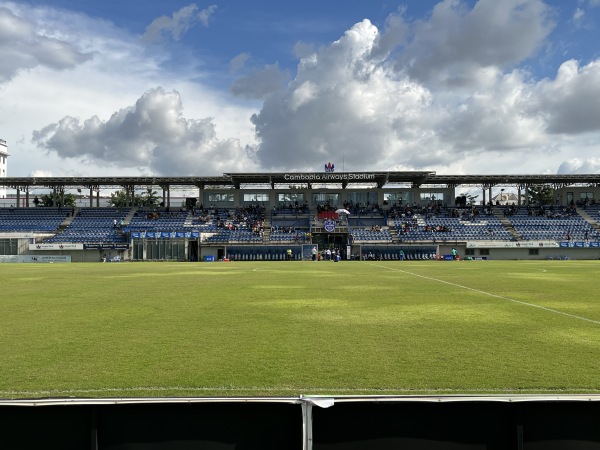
x=299, y=328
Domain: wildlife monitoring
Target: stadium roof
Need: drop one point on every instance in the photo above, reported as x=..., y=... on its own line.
x=240, y=180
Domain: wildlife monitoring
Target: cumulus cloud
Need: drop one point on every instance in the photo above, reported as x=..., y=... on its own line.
x=444, y=93
x=342, y=104
x=25, y=44
x=456, y=44
x=261, y=83
x=568, y=103
x=179, y=23
x=580, y=166
x=152, y=135
x=432, y=95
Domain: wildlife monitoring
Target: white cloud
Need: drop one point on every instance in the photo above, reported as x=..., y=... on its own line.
x=40, y=174
x=179, y=23
x=88, y=95
x=456, y=44
x=25, y=45
x=342, y=105
x=569, y=102
x=438, y=94
x=580, y=166
x=152, y=134
x=346, y=103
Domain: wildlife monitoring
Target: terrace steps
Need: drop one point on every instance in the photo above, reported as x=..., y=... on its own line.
x=393, y=231
x=508, y=226
x=65, y=223
x=266, y=231
x=130, y=215
x=583, y=213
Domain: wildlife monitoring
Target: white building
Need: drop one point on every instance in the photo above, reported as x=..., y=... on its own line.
x=3, y=165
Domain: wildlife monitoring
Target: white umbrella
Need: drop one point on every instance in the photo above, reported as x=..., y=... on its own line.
x=342, y=211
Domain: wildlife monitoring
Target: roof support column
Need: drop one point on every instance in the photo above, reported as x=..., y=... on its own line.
x=166, y=189
x=519, y=191
x=18, y=204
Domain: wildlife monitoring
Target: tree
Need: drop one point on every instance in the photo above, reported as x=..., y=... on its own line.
x=70, y=200
x=540, y=194
x=148, y=198
x=118, y=199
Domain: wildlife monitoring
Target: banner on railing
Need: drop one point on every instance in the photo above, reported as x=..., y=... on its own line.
x=504, y=244
x=579, y=244
x=105, y=246
x=165, y=234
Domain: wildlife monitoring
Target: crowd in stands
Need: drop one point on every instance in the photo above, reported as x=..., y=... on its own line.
x=550, y=211
x=362, y=208
x=291, y=208
x=585, y=202
x=250, y=218
x=433, y=221
x=431, y=209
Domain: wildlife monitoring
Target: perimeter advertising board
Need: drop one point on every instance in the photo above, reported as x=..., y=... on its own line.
x=521, y=244
x=63, y=246
x=35, y=259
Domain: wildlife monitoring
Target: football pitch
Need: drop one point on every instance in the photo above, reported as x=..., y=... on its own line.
x=299, y=328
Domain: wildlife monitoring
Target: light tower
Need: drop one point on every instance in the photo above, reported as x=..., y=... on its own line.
x=3, y=165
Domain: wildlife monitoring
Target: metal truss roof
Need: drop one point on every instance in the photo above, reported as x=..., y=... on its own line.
x=241, y=180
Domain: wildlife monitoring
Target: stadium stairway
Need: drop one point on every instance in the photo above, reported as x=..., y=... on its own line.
x=65, y=223
x=508, y=226
x=266, y=231
x=393, y=231
x=129, y=216
x=588, y=218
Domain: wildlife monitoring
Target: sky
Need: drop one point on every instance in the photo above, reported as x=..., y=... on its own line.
x=157, y=88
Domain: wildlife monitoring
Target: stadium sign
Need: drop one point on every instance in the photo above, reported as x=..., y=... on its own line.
x=63, y=246
x=310, y=177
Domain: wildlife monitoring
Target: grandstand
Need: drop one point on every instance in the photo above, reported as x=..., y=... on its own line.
x=391, y=217
x=254, y=216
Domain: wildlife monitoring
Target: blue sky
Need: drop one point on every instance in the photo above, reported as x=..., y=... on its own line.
x=180, y=88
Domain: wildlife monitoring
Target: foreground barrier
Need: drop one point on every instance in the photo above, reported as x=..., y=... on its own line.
x=438, y=422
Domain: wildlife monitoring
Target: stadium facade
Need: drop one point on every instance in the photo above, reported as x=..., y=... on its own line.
x=259, y=216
